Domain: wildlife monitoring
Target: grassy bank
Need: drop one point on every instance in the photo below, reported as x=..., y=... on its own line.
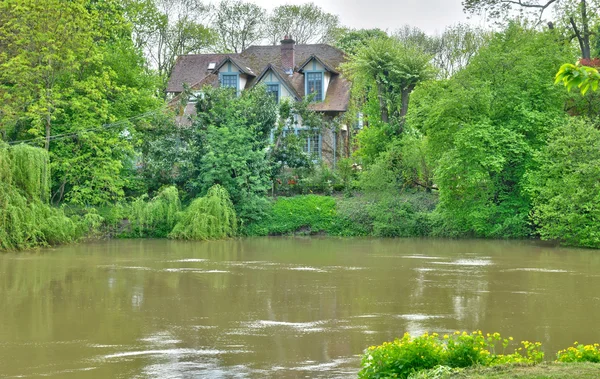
x=582, y=370
x=408, y=214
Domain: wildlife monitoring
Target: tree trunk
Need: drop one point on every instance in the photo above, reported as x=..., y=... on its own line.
x=405, y=100
x=586, y=51
x=583, y=36
x=385, y=116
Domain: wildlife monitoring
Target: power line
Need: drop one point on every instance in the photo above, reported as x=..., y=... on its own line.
x=102, y=127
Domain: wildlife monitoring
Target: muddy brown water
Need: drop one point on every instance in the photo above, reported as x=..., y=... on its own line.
x=277, y=307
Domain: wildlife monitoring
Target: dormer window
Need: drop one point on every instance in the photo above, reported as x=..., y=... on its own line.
x=314, y=84
x=229, y=81
x=273, y=89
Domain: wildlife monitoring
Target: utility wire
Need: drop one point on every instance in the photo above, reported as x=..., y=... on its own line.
x=75, y=134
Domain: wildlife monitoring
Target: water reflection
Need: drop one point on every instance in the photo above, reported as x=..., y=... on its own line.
x=277, y=307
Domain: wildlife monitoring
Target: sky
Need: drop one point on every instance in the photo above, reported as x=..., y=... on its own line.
x=432, y=16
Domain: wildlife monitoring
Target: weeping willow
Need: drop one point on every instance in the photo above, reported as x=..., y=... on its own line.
x=26, y=218
x=155, y=218
x=208, y=217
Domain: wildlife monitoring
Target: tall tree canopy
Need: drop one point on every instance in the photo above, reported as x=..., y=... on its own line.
x=70, y=78
x=306, y=23
x=164, y=29
x=238, y=25
x=484, y=127
x=577, y=16
x=394, y=69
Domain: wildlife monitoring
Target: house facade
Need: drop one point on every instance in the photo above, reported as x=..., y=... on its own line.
x=289, y=71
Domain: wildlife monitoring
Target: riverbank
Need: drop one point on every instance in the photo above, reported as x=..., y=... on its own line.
x=541, y=371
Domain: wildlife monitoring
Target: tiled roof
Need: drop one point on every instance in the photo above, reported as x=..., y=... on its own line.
x=193, y=70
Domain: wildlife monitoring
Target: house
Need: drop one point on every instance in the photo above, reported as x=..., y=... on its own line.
x=288, y=71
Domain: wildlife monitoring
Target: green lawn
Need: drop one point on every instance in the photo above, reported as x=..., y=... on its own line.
x=542, y=371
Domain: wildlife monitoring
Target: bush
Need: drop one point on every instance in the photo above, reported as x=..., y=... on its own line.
x=565, y=189
x=157, y=217
x=309, y=213
x=405, y=356
x=26, y=218
x=208, y=217
x=580, y=353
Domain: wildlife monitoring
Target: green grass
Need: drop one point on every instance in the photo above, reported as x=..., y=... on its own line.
x=541, y=371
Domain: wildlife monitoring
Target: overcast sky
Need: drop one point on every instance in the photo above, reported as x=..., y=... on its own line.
x=429, y=15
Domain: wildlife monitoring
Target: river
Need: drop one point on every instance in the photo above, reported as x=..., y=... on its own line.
x=277, y=307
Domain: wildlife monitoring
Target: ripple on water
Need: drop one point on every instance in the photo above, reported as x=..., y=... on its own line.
x=532, y=269
x=419, y=317
x=420, y=257
x=314, y=326
x=166, y=352
x=467, y=262
x=195, y=270
x=306, y=268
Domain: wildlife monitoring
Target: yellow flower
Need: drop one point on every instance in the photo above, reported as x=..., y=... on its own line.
x=446, y=336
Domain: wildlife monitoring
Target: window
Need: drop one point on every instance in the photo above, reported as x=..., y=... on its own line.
x=274, y=90
x=310, y=142
x=212, y=65
x=314, y=84
x=229, y=81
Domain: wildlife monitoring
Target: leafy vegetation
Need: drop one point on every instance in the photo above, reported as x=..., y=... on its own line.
x=208, y=217
x=408, y=355
x=26, y=218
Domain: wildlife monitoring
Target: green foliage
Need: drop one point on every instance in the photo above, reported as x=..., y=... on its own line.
x=580, y=353
x=351, y=40
x=26, y=220
x=310, y=214
x=483, y=128
x=229, y=147
x=407, y=214
x=564, y=185
x=306, y=23
x=582, y=77
x=155, y=218
x=394, y=69
x=208, y=217
x=406, y=356
x=239, y=25
x=68, y=72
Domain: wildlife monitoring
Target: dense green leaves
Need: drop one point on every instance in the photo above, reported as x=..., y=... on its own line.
x=484, y=127
x=565, y=185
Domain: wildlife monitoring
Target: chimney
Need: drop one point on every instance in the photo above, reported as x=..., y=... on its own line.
x=287, y=55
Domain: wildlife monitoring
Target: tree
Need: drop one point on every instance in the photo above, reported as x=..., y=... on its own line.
x=564, y=185
x=164, y=29
x=238, y=25
x=484, y=126
x=46, y=42
x=456, y=47
x=80, y=84
x=394, y=69
x=229, y=144
x=575, y=15
x=351, y=40
x=305, y=23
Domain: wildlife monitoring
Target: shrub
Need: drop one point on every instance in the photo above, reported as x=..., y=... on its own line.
x=26, y=218
x=157, y=217
x=402, y=357
x=580, y=353
x=310, y=213
x=408, y=355
x=208, y=217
